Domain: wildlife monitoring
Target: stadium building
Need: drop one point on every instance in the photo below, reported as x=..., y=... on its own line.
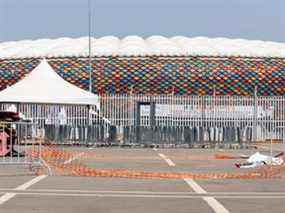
x=155, y=65
x=193, y=89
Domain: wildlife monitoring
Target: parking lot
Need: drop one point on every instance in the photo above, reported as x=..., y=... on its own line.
x=23, y=191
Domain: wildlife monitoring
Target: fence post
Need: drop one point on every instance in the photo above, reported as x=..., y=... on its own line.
x=152, y=119
x=137, y=122
x=214, y=123
x=255, y=115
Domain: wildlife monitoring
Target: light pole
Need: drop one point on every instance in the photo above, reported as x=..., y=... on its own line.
x=89, y=45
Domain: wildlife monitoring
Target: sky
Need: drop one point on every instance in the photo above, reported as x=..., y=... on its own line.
x=248, y=19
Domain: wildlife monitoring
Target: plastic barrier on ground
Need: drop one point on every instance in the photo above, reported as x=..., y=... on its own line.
x=59, y=163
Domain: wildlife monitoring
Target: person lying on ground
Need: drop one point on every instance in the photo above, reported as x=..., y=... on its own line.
x=258, y=159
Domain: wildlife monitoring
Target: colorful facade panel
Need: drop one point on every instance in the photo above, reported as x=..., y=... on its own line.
x=187, y=75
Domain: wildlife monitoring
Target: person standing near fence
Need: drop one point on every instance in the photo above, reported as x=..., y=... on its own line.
x=62, y=118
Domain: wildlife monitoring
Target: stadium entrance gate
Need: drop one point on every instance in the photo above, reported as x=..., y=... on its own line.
x=144, y=135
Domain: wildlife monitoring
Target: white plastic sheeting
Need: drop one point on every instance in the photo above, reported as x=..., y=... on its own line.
x=258, y=159
x=138, y=46
x=44, y=85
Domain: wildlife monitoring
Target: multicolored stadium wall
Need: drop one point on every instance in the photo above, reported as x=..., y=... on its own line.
x=183, y=75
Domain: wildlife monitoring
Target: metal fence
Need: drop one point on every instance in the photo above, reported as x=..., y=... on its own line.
x=19, y=144
x=194, y=119
x=161, y=119
x=66, y=124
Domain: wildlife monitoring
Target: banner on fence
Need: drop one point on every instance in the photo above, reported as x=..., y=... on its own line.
x=195, y=111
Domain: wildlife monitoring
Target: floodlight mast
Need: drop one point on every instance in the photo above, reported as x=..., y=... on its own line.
x=89, y=45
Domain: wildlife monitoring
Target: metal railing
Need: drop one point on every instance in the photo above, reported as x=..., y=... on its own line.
x=161, y=119
x=66, y=124
x=19, y=144
x=193, y=119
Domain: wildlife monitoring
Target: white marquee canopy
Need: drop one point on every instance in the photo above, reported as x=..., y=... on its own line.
x=44, y=85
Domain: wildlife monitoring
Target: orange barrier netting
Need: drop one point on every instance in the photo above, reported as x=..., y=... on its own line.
x=225, y=156
x=56, y=158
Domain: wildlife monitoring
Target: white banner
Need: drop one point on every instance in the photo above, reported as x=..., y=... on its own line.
x=165, y=110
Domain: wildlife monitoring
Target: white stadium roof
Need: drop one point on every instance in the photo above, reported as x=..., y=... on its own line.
x=138, y=46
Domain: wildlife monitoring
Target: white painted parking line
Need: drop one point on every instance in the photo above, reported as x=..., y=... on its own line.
x=168, y=161
x=31, y=182
x=217, y=207
x=200, y=194
x=73, y=158
x=106, y=195
x=100, y=191
x=197, y=188
x=7, y=196
x=212, y=202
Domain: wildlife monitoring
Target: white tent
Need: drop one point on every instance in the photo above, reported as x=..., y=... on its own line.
x=44, y=85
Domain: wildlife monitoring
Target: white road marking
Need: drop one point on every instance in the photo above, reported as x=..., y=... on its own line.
x=73, y=158
x=197, y=188
x=218, y=207
x=212, y=202
x=31, y=182
x=7, y=196
x=214, y=194
x=215, y=205
x=104, y=192
x=168, y=161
